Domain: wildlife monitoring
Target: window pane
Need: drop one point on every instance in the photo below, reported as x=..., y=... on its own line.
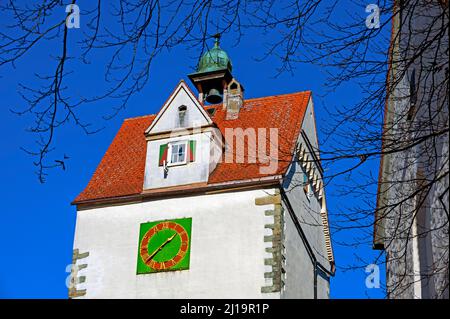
x=178, y=153
x=181, y=149
x=174, y=157
x=182, y=117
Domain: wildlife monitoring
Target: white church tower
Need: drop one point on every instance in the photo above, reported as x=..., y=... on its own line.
x=215, y=196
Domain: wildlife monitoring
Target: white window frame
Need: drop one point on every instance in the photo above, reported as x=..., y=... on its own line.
x=169, y=153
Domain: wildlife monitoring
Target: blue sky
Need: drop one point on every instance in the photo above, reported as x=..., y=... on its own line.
x=37, y=221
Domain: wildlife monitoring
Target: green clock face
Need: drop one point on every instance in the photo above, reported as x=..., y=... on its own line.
x=164, y=245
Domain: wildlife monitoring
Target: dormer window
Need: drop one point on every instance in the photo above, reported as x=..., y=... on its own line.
x=177, y=153
x=182, y=116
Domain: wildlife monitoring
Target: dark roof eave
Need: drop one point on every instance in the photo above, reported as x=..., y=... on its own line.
x=241, y=185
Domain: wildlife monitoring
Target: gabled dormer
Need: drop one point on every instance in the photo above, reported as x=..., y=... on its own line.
x=183, y=146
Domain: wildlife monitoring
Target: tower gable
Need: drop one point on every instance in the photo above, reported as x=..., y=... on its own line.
x=181, y=111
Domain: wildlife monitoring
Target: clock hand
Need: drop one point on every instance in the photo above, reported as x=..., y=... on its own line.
x=160, y=247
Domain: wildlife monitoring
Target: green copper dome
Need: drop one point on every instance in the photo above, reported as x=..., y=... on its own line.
x=213, y=60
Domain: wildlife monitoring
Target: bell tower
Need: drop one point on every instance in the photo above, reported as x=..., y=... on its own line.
x=213, y=76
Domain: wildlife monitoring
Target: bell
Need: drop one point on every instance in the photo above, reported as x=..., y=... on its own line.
x=214, y=96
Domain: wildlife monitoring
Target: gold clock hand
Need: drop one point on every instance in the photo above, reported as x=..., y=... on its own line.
x=160, y=247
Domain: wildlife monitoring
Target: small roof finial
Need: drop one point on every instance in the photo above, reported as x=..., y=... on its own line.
x=217, y=37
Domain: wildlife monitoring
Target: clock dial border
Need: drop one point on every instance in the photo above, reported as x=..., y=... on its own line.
x=182, y=228
x=184, y=246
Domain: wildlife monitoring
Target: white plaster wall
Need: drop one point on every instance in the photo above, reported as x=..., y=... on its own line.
x=429, y=252
x=299, y=276
x=309, y=125
x=299, y=268
x=194, y=172
x=323, y=287
x=227, y=248
x=216, y=149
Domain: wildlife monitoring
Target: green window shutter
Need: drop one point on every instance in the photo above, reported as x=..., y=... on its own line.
x=191, y=153
x=163, y=149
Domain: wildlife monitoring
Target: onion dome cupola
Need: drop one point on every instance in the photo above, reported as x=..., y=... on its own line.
x=213, y=74
x=214, y=60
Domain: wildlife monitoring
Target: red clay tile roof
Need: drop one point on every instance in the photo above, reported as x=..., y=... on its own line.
x=121, y=171
x=284, y=112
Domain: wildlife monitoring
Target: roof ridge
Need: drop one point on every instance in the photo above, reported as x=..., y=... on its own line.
x=278, y=95
x=139, y=117
x=245, y=100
